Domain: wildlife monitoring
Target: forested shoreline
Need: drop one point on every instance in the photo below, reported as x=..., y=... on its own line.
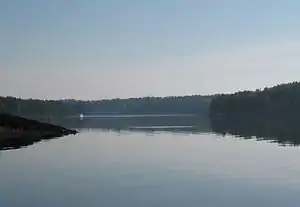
x=279, y=102
x=197, y=105
x=268, y=114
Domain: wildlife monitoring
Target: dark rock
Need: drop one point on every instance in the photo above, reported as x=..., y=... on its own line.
x=16, y=132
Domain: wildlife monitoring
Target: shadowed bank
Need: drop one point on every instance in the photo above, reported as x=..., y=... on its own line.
x=16, y=132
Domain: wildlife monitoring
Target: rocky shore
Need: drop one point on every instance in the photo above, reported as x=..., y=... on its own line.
x=17, y=132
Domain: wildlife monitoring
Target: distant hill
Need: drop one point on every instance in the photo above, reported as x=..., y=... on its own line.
x=147, y=105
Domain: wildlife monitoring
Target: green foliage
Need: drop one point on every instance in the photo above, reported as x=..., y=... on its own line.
x=268, y=114
x=281, y=101
x=37, y=108
x=148, y=105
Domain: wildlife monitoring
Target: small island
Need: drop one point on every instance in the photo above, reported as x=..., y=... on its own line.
x=17, y=132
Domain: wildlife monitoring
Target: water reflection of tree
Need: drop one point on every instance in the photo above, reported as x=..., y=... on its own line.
x=283, y=131
x=180, y=124
x=199, y=123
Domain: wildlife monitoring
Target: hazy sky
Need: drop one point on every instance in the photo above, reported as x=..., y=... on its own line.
x=94, y=49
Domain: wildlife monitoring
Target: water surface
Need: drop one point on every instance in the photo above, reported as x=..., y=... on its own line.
x=114, y=168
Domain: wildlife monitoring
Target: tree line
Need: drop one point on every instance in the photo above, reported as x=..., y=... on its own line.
x=279, y=102
x=268, y=114
x=147, y=105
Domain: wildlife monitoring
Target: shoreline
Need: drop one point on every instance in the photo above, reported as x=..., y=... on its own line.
x=17, y=132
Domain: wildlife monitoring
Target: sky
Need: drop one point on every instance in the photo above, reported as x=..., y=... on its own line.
x=96, y=49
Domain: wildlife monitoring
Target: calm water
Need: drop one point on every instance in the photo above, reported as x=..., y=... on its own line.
x=112, y=168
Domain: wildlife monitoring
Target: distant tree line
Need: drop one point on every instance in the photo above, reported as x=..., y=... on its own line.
x=148, y=105
x=38, y=108
x=279, y=102
x=151, y=105
x=268, y=114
